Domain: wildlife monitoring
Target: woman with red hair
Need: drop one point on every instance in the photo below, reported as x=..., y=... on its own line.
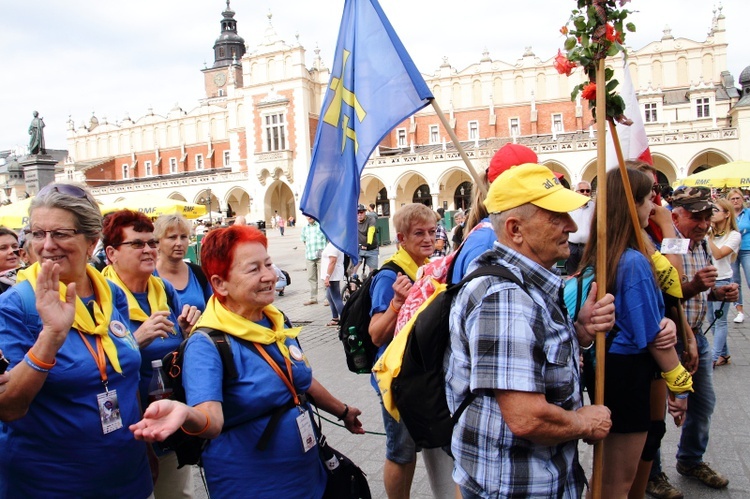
x=273, y=373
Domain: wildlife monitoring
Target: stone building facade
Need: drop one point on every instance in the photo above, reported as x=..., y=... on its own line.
x=247, y=145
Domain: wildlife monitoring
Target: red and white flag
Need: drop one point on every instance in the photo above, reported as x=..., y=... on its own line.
x=633, y=139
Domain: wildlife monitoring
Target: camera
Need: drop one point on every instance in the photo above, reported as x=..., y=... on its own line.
x=4, y=363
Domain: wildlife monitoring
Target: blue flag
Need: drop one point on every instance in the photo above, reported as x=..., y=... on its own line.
x=374, y=86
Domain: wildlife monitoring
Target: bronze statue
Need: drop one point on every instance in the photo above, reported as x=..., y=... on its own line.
x=36, y=130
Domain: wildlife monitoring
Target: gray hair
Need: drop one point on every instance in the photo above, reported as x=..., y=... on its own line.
x=173, y=221
x=87, y=215
x=524, y=212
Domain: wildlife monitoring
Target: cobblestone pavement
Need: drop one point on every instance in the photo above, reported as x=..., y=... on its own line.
x=730, y=433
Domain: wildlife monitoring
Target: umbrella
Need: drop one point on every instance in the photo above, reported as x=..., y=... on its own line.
x=156, y=207
x=15, y=215
x=734, y=174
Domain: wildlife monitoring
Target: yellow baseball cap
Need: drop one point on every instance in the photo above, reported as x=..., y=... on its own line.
x=531, y=183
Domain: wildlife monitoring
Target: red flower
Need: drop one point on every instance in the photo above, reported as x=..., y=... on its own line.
x=589, y=91
x=613, y=35
x=563, y=65
x=564, y=30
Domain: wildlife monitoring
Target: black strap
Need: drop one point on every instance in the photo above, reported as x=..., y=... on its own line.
x=198, y=271
x=221, y=340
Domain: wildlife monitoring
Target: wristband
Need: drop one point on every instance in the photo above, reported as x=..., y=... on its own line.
x=40, y=363
x=678, y=380
x=682, y=395
x=345, y=413
x=208, y=422
x=393, y=308
x=33, y=365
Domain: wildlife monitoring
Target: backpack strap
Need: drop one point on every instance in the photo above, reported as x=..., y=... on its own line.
x=198, y=271
x=485, y=270
x=221, y=341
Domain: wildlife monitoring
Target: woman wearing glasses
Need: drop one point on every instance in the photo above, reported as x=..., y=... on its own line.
x=724, y=241
x=742, y=215
x=73, y=384
x=157, y=318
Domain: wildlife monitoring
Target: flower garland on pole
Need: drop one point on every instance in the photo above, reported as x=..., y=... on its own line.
x=595, y=31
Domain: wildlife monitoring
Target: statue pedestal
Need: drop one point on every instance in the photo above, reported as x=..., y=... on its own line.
x=38, y=171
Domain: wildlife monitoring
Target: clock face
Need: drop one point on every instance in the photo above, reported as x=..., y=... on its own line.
x=220, y=79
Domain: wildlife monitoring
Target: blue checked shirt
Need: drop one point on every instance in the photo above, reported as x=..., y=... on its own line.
x=505, y=339
x=315, y=241
x=695, y=259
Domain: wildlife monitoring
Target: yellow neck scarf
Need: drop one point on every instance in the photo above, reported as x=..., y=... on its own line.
x=217, y=316
x=83, y=322
x=157, y=296
x=405, y=261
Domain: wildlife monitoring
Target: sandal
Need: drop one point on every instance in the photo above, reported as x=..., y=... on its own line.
x=333, y=323
x=722, y=360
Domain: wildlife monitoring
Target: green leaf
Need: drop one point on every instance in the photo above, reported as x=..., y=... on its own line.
x=630, y=27
x=570, y=42
x=580, y=23
x=608, y=73
x=611, y=85
x=612, y=50
x=585, y=41
x=584, y=60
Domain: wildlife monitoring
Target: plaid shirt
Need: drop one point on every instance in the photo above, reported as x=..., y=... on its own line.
x=315, y=241
x=505, y=339
x=695, y=259
x=440, y=233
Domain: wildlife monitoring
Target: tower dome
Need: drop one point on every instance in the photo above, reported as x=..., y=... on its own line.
x=229, y=46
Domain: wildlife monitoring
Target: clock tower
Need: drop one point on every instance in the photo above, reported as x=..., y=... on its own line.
x=228, y=51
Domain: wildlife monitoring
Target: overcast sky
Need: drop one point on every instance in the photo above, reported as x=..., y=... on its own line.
x=75, y=57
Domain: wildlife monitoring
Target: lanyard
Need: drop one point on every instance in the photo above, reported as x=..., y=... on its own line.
x=288, y=379
x=101, y=361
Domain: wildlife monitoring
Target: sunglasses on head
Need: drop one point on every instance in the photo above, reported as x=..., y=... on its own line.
x=67, y=189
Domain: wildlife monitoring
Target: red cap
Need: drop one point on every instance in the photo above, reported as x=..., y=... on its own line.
x=508, y=156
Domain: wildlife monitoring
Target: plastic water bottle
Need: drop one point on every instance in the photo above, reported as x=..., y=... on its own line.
x=157, y=387
x=357, y=351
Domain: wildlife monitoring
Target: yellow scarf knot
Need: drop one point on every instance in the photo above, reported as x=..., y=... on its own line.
x=157, y=295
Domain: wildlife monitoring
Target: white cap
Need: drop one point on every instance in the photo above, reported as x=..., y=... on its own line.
x=156, y=363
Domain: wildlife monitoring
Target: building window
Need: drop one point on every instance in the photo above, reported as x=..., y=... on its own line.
x=198, y=161
x=221, y=52
x=172, y=165
x=557, y=123
x=125, y=172
x=514, y=124
x=703, y=108
x=473, y=130
x=401, y=137
x=434, y=134
x=275, y=132
x=226, y=158
x=650, y=112
x=221, y=92
x=147, y=167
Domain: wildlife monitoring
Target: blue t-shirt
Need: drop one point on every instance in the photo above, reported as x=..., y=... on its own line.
x=477, y=243
x=160, y=347
x=234, y=467
x=743, y=225
x=193, y=293
x=58, y=448
x=639, y=304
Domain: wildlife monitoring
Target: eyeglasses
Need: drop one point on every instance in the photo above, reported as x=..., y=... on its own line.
x=140, y=244
x=56, y=234
x=67, y=189
x=584, y=191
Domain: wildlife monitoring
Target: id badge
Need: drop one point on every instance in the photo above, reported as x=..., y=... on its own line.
x=109, y=411
x=304, y=424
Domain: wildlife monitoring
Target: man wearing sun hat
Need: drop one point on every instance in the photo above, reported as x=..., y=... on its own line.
x=519, y=348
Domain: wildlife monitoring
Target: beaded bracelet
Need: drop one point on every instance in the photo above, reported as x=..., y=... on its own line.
x=33, y=365
x=208, y=423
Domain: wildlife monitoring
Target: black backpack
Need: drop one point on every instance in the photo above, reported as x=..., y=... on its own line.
x=188, y=448
x=356, y=314
x=419, y=389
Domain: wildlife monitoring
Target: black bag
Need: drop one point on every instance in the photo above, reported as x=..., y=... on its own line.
x=287, y=277
x=419, y=389
x=188, y=448
x=356, y=314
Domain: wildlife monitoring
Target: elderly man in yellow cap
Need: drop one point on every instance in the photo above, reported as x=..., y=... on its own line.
x=517, y=350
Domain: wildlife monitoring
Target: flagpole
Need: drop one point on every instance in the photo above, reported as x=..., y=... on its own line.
x=478, y=179
x=601, y=259
x=626, y=185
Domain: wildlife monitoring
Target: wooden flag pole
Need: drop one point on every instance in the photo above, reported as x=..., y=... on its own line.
x=478, y=179
x=601, y=259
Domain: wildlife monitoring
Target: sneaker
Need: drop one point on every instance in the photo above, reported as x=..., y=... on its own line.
x=704, y=473
x=310, y=302
x=740, y=318
x=660, y=488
